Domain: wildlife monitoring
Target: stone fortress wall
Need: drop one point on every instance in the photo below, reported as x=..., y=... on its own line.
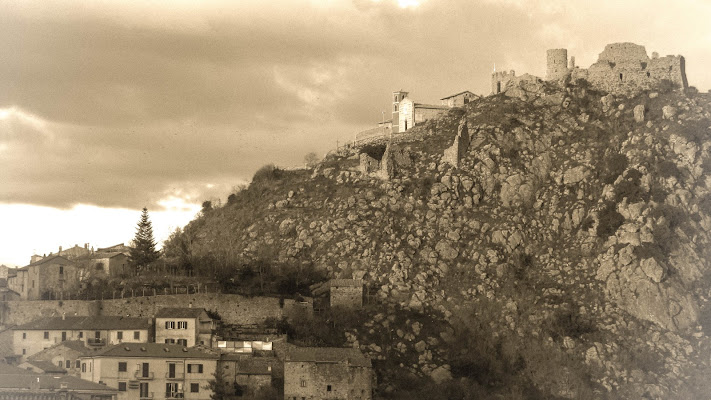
x=622, y=68
x=233, y=308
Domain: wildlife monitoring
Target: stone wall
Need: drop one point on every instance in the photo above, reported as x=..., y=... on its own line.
x=312, y=380
x=626, y=68
x=454, y=154
x=556, y=64
x=500, y=79
x=347, y=297
x=233, y=309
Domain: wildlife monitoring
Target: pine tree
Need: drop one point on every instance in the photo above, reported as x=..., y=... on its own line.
x=144, y=250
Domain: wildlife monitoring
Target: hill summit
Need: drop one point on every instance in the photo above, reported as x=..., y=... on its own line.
x=550, y=241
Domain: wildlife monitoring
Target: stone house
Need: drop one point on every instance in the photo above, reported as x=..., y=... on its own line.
x=459, y=99
x=21, y=384
x=95, y=332
x=53, y=276
x=152, y=370
x=111, y=264
x=184, y=326
x=75, y=252
x=7, y=294
x=64, y=355
x=250, y=373
x=327, y=373
x=346, y=293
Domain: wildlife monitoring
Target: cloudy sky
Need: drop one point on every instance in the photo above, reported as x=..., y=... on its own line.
x=110, y=106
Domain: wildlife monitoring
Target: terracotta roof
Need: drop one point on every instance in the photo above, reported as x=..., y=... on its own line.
x=180, y=312
x=439, y=107
x=328, y=354
x=158, y=350
x=47, y=366
x=103, y=322
x=455, y=95
x=25, y=380
x=76, y=345
x=345, y=282
x=110, y=254
x=54, y=259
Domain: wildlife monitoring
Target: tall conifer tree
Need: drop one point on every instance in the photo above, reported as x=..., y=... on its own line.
x=144, y=250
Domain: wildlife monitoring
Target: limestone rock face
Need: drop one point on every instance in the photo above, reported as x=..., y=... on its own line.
x=639, y=113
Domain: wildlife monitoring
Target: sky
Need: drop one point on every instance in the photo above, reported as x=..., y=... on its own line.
x=109, y=106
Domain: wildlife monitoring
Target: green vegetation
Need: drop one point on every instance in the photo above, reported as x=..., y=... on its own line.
x=143, y=252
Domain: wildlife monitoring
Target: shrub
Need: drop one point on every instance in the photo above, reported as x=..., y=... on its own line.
x=609, y=220
x=666, y=86
x=375, y=151
x=269, y=172
x=615, y=164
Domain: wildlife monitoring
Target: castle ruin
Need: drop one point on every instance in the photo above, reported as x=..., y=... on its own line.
x=622, y=68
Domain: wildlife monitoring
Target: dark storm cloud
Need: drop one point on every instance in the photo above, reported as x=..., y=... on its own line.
x=118, y=105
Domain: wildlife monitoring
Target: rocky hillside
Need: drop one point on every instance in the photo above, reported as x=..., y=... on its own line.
x=566, y=257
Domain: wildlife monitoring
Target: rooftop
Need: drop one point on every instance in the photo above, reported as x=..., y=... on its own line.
x=345, y=282
x=159, y=350
x=17, y=378
x=107, y=254
x=76, y=345
x=455, y=95
x=47, y=366
x=328, y=354
x=103, y=322
x=52, y=259
x=178, y=312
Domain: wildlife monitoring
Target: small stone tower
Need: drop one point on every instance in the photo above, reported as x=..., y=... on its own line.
x=397, y=98
x=557, y=64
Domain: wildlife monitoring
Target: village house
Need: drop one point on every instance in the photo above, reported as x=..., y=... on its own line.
x=459, y=99
x=43, y=367
x=411, y=113
x=184, y=326
x=327, y=373
x=248, y=372
x=52, y=277
x=20, y=384
x=65, y=355
x=75, y=252
x=346, y=293
x=97, y=331
x=117, y=248
x=111, y=264
x=152, y=370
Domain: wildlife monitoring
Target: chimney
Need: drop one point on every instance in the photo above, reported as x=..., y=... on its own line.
x=60, y=250
x=86, y=246
x=64, y=316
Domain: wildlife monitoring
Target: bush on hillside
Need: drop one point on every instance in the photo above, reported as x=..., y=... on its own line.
x=269, y=172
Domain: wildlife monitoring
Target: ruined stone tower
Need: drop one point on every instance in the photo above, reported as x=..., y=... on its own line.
x=398, y=96
x=557, y=64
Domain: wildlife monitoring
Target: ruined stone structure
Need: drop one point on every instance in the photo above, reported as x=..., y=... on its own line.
x=327, y=373
x=500, y=79
x=622, y=68
x=556, y=64
x=454, y=154
x=385, y=166
x=346, y=293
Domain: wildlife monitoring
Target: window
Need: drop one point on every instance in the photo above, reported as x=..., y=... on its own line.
x=122, y=386
x=81, y=335
x=195, y=368
x=83, y=367
x=328, y=388
x=64, y=336
x=119, y=335
x=122, y=366
x=24, y=351
x=143, y=389
x=68, y=364
x=182, y=324
x=24, y=335
x=33, y=284
x=172, y=391
x=61, y=270
x=60, y=364
x=303, y=383
x=136, y=335
x=46, y=335
x=77, y=364
x=183, y=342
x=194, y=388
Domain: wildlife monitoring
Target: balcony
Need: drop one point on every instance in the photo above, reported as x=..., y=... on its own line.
x=174, y=395
x=140, y=375
x=148, y=395
x=176, y=375
x=96, y=342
